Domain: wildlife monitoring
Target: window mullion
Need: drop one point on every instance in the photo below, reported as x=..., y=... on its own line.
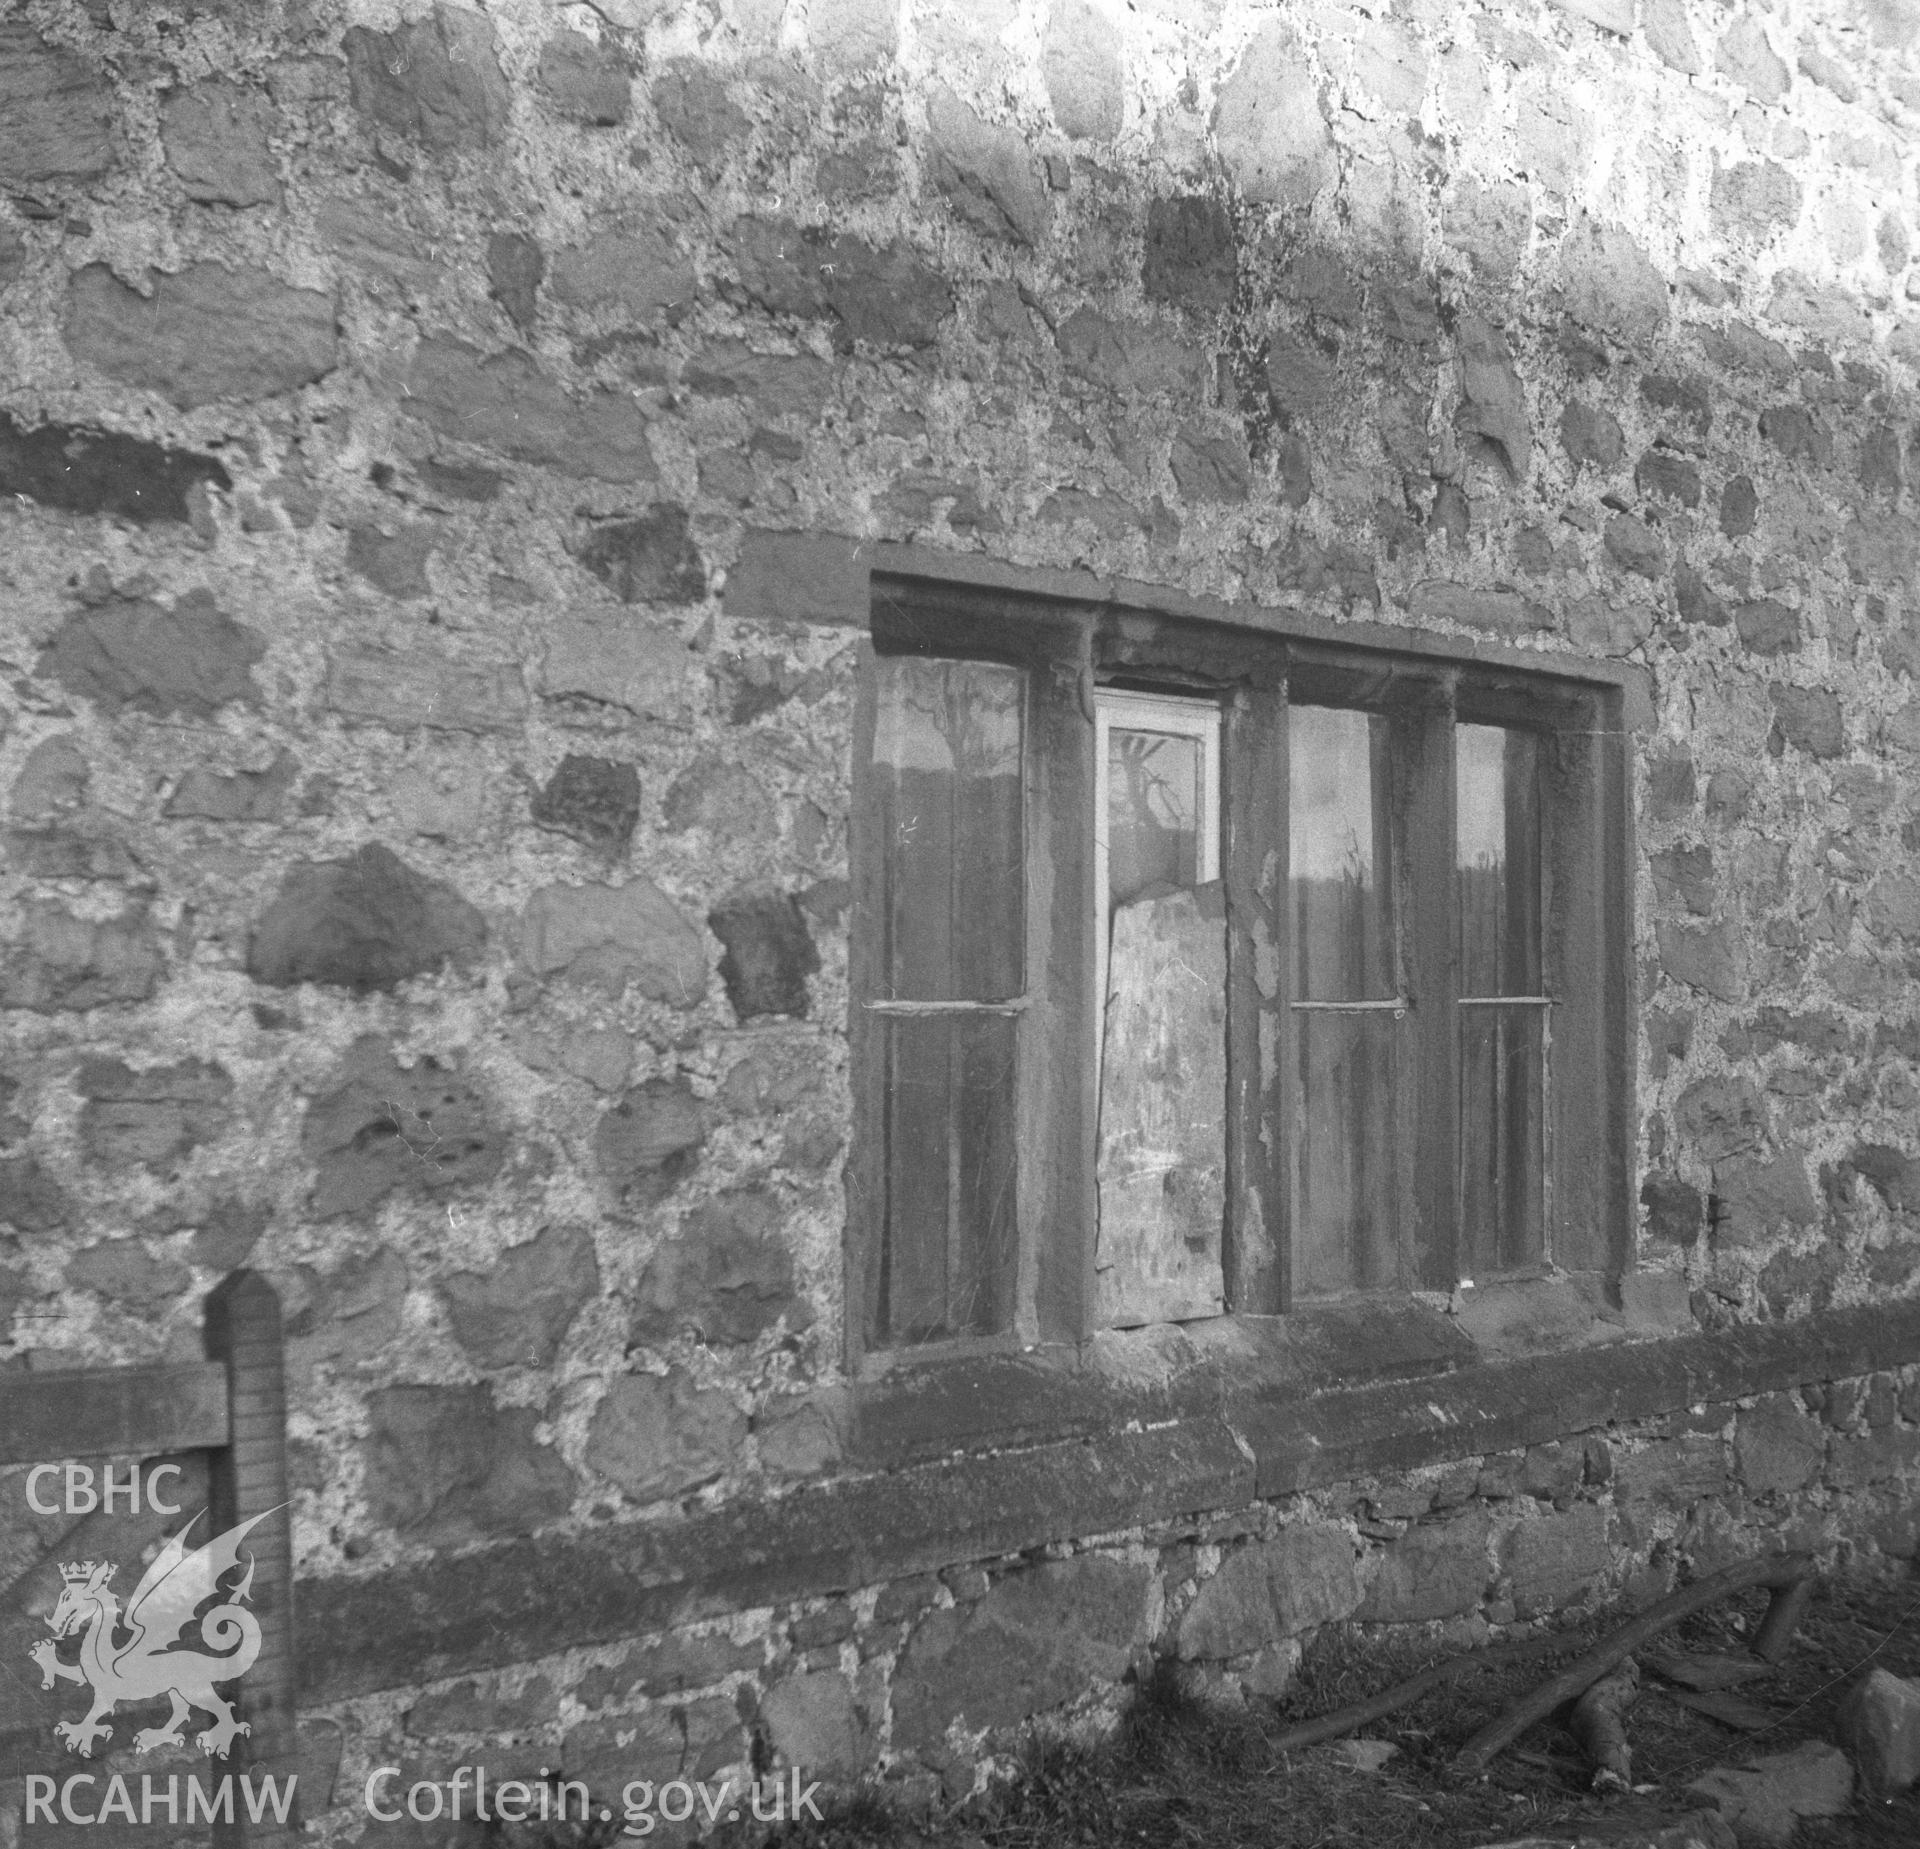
x=1259, y=1025
x=1424, y=806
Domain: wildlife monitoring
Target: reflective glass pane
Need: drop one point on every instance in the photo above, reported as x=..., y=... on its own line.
x=947, y=1264
x=1339, y=855
x=1502, y=1064
x=1348, y=1153
x=946, y=776
x=1154, y=798
x=1497, y=859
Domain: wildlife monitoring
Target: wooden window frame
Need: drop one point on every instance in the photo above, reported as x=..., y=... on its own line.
x=1071, y=647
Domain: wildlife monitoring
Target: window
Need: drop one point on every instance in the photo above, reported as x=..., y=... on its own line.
x=1201, y=969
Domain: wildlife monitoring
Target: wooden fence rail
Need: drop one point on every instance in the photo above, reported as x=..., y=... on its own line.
x=234, y=1407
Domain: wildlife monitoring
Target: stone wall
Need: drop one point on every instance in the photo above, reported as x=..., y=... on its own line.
x=433, y=442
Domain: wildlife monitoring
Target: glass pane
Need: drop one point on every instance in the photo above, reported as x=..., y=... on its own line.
x=1154, y=798
x=1338, y=848
x=1348, y=1153
x=1497, y=859
x=946, y=775
x=1502, y=1063
x=947, y=1264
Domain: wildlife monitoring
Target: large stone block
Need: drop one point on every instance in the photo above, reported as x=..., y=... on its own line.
x=636, y=271
x=366, y=922
x=1190, y=254
x=595, y=800
x=382, y=1127
x=651, y=558
x=1434, y=1570
x=445, y=1465
x=31, y=1200
x=56, y=113
x=1270, y=1590
x=1751, y=200
x=1882, y=546
x=616, y=661
x=1759, y=1199
x=727, y=1275
x=1590, y=433
x=1809, y=718
x=1668, y=34
x=1493, y=403
x=436, y=81
x=1765, y=1799
x=60, y=961
x=695, y=105
x=192, y=659
x=1879, y=1723
x=887, y=294
x=345, y=1316
x=126, y=1272
x=272, y=338
x=589, y=80
x=1489, y=223
x=1721, y=1116
x=1081, y=66
x=1208, y=466
x=667, y=1666
x=851, y=35
x=769, y=953
x=86, y=471
x=1704, y=957
x=662, y=1435
x=503, y=403
x=650, y=1141
x=394, y=562
x=1777, y=1448
x=516, y=266
x=1675, y=1471
x=1634, y=546
x=1503, y=612
x=813, y=1722
x=1034, y=1640
x=986, y=170
x=215, y=134
x=606, y=937
x=1745, y=55
x=516, y=1313
x=246, y=796
x=1129, y=356
x=1551, y=1562
x=153, y=1117
x=1611, y=285
x=1270, y=122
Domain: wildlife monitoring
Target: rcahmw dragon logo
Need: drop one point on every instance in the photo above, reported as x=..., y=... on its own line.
x=148, y=1663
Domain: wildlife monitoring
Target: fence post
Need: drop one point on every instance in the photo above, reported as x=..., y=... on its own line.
x=242, y=1330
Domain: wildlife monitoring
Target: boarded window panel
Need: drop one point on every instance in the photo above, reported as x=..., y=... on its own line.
x=1502, y=1091
x=947, y=1264
x=1348, y=1148
x=1340, y=856
x=1163, y=1100
x=946, y=762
